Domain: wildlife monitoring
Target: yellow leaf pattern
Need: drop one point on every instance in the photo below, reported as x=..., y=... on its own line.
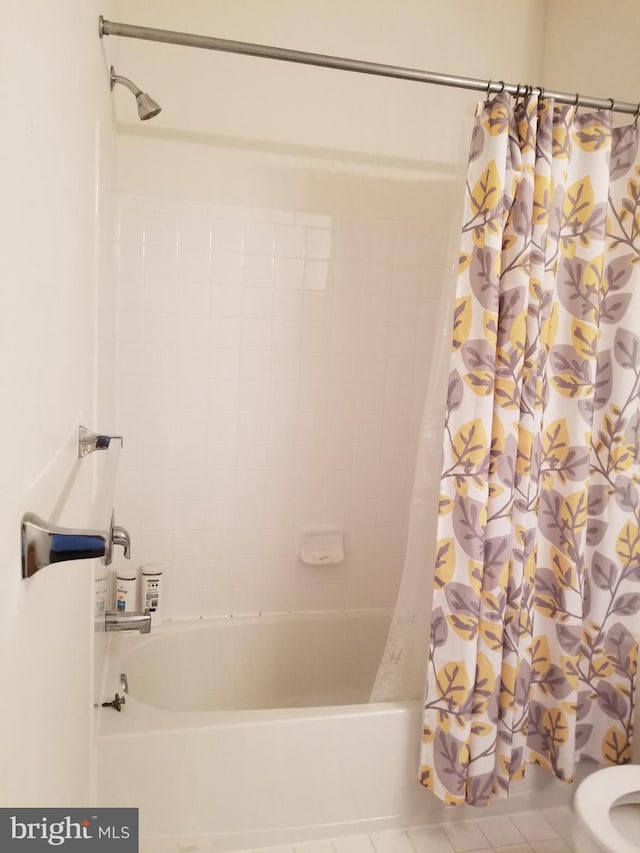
x=537, y=580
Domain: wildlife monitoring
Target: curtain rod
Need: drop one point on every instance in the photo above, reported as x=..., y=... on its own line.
x=114, y=28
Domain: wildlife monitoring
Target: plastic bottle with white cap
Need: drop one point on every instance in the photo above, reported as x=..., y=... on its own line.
x=152, y=589
x=126, y=589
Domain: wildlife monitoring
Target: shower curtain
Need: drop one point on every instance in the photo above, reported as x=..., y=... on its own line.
x=533, y=650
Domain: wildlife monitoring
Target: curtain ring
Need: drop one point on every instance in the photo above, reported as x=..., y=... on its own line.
x=489, y=89
x=502, y=84
x=576, y=103
x=637, y=115
x=613, y=104
x=519, y=94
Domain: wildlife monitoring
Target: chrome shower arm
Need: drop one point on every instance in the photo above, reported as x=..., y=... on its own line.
x=117, y=78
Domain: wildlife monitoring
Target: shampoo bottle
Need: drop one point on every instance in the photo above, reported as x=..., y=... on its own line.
x=126, y=589
x=151, y=590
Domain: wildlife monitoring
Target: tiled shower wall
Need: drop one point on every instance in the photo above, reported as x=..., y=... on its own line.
x=272, y=370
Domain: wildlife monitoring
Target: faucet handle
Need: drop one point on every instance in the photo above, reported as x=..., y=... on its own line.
x=117, y=703
x=120, y=536
x=117, y=536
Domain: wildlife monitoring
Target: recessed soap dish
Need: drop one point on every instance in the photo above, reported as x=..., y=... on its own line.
x=322, y=546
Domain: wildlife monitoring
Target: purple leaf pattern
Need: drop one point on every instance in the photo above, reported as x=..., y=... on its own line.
x=536, y=608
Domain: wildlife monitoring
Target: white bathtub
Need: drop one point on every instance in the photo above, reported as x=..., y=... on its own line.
x=252, y=731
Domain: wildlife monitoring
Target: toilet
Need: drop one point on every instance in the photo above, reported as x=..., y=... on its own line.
x=599, y=827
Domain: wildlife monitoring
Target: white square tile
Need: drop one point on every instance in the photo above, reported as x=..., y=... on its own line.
x=194, y=232
x=259, y=238
x=226, y=268
x=290, y=241
x=318, y=243
x=316, y=275
x=252, y=425
x=185, y=574
x=289, y=273
x=465, y=836
x=257, y=302
x=226, y=301
x=500, y=830
x=255, y=364
x=131, y=226
x=225, y=332
x=160, y=229
x=316, y=307
x=287, y=305
x=160, y=261
x=285, y=335
x=191, y=330
x=268, y=599
x=534, y=826
x=183, y=604
x=224, y=363
x=193, y=264
x=430, y=839
x=194, y=298
x=314, y=337
x=483, y=850
x=553, y=845
x=258, y=270
x=285, y=366
x=391, y=841
x=353, y=844
x=130, y=259
x=227, y=236
x=256, y=333
x=561, y=819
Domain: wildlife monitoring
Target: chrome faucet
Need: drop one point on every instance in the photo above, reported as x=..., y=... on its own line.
x=127, y=620
x=120, y=536
x=44, y=544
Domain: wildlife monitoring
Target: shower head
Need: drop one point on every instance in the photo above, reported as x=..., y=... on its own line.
x=147, y=107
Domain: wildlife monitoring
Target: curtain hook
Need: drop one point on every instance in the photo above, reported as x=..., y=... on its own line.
x=518, y=94
x=613, y=105
x=637, y=115
x=502, y=84
x=486, y=100
x=576, y=103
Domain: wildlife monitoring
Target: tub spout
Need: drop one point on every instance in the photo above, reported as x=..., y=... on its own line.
x=122, y=620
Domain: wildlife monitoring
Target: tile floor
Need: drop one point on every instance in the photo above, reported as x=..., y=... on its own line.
x=544, y=831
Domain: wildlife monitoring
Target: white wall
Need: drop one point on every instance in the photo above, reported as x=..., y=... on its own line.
x=590, y=47
x=218, y=97
x=56, y=148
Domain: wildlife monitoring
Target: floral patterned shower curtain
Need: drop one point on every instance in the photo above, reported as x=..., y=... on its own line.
x=535, y=621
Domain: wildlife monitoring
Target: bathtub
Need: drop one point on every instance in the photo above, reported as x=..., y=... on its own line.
x=245, y=732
